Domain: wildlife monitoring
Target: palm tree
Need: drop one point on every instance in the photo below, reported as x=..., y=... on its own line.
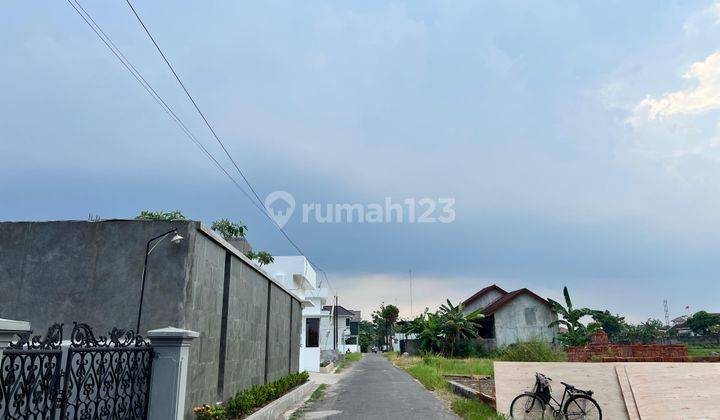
x=577, y=334
x=456, y=325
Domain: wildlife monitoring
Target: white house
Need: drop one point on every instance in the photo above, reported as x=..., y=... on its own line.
x=317, y=341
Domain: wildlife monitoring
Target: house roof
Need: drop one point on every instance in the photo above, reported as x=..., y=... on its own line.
x=484, y=291
x=340, y=310
x=498, y=304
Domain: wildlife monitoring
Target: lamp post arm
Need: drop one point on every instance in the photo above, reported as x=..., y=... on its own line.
x=148, y=250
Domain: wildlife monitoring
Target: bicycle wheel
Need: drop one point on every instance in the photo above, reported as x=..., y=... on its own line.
x=527, y=407
x=582, y=407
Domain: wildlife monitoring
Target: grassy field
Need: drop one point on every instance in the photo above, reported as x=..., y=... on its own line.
x=429, y=370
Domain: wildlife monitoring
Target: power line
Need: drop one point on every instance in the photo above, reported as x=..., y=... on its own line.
x=85, y=15
x=137, y=75
x=215, y=135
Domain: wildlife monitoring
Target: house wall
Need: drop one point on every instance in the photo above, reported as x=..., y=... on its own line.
x=522, y=319
x=483, y=301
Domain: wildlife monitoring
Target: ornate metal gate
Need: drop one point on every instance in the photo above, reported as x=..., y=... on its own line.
x=104, y=377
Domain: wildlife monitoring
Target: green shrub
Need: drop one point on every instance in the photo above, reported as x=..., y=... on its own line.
x=470, y=348
x=244, y=402
x=531, y=351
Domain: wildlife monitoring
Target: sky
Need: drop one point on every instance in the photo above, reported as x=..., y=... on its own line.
x=580, y=141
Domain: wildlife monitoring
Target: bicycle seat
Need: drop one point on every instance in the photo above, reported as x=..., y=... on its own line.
x=572, y=388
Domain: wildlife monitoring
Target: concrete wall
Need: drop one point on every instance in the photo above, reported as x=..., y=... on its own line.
x=247, y=321
x=522, y=319
x=483, y=301
x=91, y=272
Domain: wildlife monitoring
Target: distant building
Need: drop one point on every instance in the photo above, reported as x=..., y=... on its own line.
x=317, y=341
x=512, y=317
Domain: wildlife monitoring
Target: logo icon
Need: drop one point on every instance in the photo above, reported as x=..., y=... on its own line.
x=280, y=205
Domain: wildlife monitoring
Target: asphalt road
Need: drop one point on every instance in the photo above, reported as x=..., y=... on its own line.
x=375, y=389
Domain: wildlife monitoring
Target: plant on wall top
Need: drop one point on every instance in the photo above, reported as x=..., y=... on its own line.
x=229, y=229
x=264, y=258
x=168, y=216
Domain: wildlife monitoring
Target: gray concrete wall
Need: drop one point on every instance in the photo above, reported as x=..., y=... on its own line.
x=483, y=301
x=90, y=272
x=523, y=319
x=247, y=320
x=296, y=336
x=203, y=313
x=279, y=332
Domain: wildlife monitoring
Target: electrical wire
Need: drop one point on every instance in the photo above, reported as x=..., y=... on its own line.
x=137, y=75
x=215, y=135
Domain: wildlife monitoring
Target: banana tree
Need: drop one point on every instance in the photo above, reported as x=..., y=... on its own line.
x=577, y=334
x=457, y=325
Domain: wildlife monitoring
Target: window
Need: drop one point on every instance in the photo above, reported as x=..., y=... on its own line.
x=530, y=317
x=312, y=332
x=347, y=322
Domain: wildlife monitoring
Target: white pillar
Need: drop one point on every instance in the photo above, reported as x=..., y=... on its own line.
x=9, y=330
x=169, y=372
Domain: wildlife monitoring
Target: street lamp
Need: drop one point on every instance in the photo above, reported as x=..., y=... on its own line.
x=175, y=240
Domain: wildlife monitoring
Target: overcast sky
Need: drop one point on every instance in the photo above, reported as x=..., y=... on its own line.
x=581, y=141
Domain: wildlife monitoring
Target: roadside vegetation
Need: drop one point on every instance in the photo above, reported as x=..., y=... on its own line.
x=347, y=360
x=250, y=400
x=314, y=397
x=431, y=370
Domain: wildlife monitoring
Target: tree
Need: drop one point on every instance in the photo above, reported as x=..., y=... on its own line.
x=645, y=333
x=613, y=325
x=577, y=334
x=264, y=258
x=701, y=322
x=366, y=337
x=384, y=320
x=167, y=216
x=228, y=229
x=458, y=326
x=441, y=331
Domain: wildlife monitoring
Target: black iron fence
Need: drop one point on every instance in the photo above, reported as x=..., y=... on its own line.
x=104, y=377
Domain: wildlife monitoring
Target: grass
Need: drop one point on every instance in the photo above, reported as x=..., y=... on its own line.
x=474, y=410
x=316, y=395
x=702, y=351
x=347, y=360
x=430, y=371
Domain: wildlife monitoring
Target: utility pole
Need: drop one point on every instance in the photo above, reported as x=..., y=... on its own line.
x=411, y=296
x=335, y=326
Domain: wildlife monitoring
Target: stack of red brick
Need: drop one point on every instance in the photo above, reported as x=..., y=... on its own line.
x=601, y=350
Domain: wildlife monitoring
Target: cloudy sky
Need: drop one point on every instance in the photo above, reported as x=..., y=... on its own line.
x=580, y=140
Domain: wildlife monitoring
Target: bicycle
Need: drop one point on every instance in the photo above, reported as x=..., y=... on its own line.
x=580, y=404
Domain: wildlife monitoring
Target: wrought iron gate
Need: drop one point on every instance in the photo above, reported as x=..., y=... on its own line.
x=104, y=377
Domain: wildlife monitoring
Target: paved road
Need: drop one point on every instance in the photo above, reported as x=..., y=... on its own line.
x=375, y=389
